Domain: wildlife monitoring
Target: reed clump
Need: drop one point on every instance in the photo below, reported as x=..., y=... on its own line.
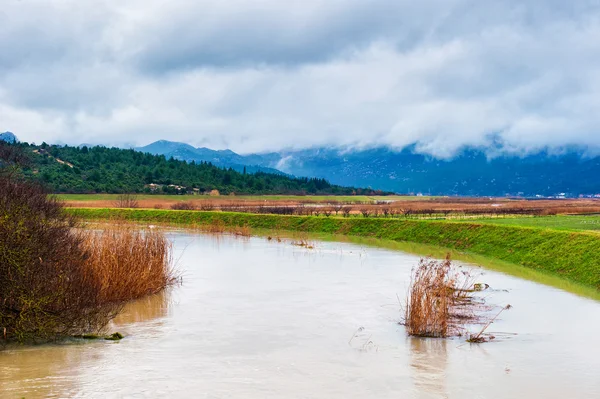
x=438, y=300
x=128, y=263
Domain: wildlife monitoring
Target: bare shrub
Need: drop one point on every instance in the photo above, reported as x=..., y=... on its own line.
x=207, y=206
x=126, y=201
x=45, y=290
x=366, y=212
x=184, y=206
x=298, y=210
x=275, y=210
x=346, y=211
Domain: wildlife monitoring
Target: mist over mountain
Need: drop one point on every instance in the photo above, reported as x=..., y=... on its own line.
x=471, y=172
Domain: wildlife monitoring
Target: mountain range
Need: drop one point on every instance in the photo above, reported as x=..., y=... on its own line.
x=9, y=137
x=471, y=172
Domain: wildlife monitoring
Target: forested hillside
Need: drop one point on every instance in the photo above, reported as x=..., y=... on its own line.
x=68, y=169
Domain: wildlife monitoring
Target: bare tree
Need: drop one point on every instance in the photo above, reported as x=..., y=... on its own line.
x=337, y=207
x=126, y=201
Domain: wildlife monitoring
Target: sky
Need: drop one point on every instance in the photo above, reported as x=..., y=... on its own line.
x=264, y=75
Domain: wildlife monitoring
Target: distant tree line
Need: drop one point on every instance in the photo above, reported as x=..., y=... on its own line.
x=67, y=169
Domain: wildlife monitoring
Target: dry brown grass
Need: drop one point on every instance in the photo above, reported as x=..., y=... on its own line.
x=436, y=298
x=447, y=207
x=128, y=263
x=242, y=231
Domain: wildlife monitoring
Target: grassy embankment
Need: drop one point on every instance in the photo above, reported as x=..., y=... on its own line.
x=559, y=222
x=573, y=256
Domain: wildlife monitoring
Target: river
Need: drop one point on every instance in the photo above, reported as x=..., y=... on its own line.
x=257, y=318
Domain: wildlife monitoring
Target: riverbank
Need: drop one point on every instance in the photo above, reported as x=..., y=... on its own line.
x=573, y=256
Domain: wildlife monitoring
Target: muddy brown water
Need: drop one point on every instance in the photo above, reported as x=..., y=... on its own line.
x=261, y=319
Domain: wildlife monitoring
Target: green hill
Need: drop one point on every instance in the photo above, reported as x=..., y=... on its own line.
x=99, y=169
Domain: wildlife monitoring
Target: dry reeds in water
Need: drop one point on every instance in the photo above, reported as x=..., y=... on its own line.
x=436, y=299
x=428, y=306
x=129, y=263
x=441, y=302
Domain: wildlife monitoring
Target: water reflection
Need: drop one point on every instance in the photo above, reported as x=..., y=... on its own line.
x=428, y=362
x=39, y=372
x=54, y=370
x=145, y=309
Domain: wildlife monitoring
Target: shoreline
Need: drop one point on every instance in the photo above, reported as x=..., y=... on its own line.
x=564, y=259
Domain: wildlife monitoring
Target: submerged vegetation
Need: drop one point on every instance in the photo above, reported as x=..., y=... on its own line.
x=128, y=263
x=58, y=280
x=441, y=302
x=433, y=292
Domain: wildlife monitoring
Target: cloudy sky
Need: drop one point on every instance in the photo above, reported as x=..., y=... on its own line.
x=259, y=75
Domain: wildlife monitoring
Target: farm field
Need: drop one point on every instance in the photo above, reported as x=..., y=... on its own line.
x=369, y=206
x=160, y=198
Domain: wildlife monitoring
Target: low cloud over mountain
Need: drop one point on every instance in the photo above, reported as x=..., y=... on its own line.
x=262, y=76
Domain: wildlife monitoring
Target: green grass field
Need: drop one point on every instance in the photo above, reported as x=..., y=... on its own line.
x=570, y=255
x=560, y=222
x=315, y=198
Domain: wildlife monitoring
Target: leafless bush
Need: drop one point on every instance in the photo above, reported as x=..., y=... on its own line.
x=184, y=206
x=126, y=201
x=37, y=250
x=207, y=206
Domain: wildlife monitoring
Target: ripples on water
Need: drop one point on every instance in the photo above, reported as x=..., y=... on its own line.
x=261, y=319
